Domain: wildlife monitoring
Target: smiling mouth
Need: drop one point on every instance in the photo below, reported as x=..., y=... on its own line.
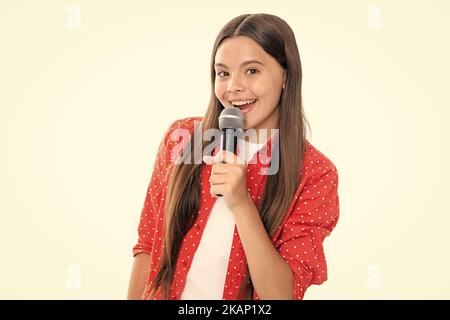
x=245, y=108
x=242, y=102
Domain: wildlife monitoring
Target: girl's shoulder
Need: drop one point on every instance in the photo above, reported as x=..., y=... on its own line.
x=315, y=161
x=181, y=125
x=185, y=123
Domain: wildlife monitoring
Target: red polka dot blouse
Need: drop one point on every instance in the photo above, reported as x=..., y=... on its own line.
x=312, y=215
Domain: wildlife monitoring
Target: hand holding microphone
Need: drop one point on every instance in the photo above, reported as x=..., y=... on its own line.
x=229, y=172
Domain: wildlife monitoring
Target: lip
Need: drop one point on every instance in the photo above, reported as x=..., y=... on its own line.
x=252, y=106
x=241, y=99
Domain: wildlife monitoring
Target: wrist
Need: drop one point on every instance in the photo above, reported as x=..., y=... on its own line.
x=244, y=207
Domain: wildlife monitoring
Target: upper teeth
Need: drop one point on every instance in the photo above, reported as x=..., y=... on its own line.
x=240, y=103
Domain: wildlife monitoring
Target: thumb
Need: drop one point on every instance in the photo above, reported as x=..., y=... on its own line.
x=230, y=157
x=213, y=159
x=208, y=160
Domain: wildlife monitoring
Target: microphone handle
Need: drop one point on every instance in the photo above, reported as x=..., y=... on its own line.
x=229, y=141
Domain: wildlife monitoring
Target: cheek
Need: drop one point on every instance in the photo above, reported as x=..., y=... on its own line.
x=219, y=89
x=272, y=91
x=264, y=86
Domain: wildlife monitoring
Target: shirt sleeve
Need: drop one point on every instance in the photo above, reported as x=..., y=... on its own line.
x=314, y=215
x=153, y=206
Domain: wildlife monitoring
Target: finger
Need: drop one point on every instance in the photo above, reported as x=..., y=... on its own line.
x=230, y=157
x=217, y=189
x=218, y=158
x=220, y=168
x=216, y=179
x=210, y=160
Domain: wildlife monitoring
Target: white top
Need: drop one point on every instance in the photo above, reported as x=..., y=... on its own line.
x=206, y=277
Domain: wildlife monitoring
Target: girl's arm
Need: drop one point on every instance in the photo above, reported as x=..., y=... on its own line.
x=271, y=276
x=139, y=276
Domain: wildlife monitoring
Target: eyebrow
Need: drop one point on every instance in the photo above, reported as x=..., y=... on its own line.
x=218, y=64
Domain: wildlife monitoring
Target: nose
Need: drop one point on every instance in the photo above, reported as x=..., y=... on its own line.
x=235, y=84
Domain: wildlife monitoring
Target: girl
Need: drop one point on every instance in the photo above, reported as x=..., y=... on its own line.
x=262, y=239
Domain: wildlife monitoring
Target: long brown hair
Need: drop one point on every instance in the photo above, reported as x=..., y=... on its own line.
x=182, y=202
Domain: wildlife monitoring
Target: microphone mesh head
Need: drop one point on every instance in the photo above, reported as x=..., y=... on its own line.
x=231, y=118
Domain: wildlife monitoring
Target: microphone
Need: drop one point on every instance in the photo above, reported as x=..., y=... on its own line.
x=231, y=123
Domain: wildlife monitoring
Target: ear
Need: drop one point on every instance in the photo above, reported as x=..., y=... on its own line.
x=284, y=78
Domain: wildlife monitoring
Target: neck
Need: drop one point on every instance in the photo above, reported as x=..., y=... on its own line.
x=259, y=136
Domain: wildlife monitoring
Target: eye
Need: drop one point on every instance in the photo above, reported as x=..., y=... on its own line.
x=222, y=74
x=219, y=74
x=252, y=69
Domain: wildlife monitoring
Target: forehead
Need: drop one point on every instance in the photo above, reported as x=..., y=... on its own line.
x=237, y=49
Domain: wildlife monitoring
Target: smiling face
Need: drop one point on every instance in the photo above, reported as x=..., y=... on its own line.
x=244, y=71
